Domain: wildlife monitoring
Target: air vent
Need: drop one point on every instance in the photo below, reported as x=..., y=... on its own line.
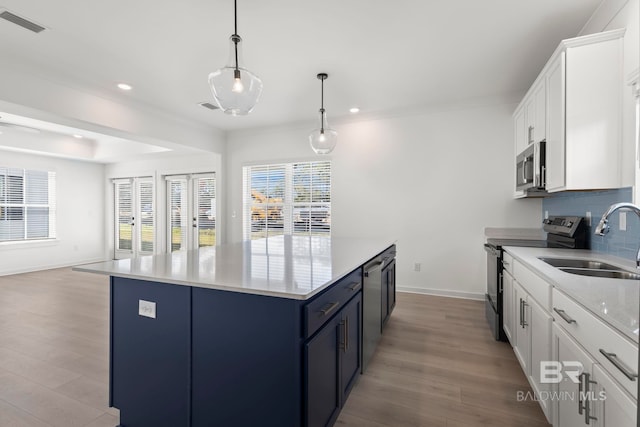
x=31, y=26
x=209, y=105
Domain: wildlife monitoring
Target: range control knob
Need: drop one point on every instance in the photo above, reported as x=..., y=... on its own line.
x=569, y=224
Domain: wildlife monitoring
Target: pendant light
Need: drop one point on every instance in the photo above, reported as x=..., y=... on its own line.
x=235, y=89
x=324, y=139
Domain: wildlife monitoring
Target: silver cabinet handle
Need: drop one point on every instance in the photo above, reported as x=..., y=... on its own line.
x=328, y=309
x=587, y=400
x=343, y=344
x=520, y=312
x=611, y=357
x=353, y=286
x=564, y=316
x=505, y=262
x=524, y=314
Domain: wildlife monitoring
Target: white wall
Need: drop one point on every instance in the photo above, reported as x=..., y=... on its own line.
x=433, y=180
x=157, y=168
x=80, y=217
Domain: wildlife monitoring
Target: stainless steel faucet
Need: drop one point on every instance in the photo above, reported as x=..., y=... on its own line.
x=603, y=225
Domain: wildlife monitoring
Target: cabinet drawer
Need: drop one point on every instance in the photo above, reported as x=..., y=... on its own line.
x=535, y=285
x=507, y=262
x=325, y=305
x=598, y=338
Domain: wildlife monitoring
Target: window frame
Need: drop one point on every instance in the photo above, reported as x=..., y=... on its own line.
x=28, y=190
x=288, y=206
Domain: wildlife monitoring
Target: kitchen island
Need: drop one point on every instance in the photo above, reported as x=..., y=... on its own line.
x=266, y=332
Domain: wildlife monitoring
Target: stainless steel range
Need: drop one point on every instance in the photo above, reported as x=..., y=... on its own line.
x=562, y=232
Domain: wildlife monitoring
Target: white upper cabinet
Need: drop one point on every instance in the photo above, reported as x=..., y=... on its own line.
x=575, y=104
x=592, y=112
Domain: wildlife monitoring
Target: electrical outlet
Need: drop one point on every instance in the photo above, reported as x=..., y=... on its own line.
x=546, y=214
x=623, y=221
x=417, y=266
x=147, y=308
x=588, y=219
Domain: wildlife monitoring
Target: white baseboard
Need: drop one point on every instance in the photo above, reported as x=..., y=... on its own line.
x=50, y=266
x=443, y=293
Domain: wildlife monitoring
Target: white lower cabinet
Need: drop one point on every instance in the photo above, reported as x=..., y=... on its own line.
x=540, y=330
x=531, y=336
x=613, y=407
x=508, y=323
x=586, y=394
x=568, y=380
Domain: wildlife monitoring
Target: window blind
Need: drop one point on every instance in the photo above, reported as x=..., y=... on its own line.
x=27, y=204
x=290, y=199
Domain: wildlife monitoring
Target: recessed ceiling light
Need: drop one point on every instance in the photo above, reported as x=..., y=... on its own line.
x=78, y=136
x=124, y=86
x=354, y=110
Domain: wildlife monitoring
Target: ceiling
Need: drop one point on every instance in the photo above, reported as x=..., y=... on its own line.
x=381, y=56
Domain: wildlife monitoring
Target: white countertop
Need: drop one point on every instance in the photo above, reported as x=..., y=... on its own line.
x=295, y=267
x=615, y=301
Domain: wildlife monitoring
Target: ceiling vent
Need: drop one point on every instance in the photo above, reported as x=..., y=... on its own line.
x=31, y=26
x=209, y=105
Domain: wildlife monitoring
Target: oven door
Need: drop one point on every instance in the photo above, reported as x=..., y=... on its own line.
x=493, y=275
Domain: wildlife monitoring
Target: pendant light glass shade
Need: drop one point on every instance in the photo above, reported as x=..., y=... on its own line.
x=324, y=139
x=235, y=89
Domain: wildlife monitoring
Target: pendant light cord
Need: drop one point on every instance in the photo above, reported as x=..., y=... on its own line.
x=322, y=105
x=236, y=37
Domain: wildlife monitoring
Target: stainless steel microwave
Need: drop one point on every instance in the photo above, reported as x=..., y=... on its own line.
x=530, y=167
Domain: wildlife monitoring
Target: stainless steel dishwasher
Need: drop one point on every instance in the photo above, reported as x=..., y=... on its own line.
x=371, y=309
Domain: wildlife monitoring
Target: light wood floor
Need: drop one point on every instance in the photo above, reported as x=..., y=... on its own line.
x=436, y=364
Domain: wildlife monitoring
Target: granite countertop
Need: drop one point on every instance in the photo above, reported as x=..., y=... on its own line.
x=615, y=301
x=295, y=267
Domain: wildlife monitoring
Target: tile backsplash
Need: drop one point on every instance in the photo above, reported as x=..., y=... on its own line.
x=617, y=242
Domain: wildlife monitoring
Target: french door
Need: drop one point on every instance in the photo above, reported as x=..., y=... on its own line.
x=191, y=211
x=134, y=217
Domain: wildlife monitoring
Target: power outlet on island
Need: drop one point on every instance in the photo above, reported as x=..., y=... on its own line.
x=417, y=266
x=147, y=309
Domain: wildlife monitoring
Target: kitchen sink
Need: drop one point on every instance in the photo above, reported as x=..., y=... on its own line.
x=592, y=268
x=579, y=263
x=610, y=274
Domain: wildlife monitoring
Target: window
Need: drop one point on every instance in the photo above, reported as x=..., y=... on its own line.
x=290, y=198
x=27, y=204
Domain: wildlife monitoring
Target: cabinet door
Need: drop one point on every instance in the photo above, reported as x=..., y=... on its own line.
x=520, y=127
x=522, y=345
x=530, y=119
x=388, y=290
x=555, y=169
x=612, y=407
x=322, y=374
x=392, y=287
x=508, y=323
x=351, y=345
x=540, y=330
x=567, y=411
x=540, y=100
